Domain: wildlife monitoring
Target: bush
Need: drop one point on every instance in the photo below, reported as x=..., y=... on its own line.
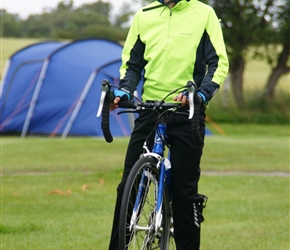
x=258, y=109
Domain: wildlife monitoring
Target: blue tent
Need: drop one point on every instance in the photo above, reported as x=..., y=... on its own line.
x=53, y=88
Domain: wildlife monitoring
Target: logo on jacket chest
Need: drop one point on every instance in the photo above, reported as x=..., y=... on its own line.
x=185, y=33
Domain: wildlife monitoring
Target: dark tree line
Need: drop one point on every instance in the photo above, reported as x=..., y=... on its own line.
x=66, y=22
x=261, y=26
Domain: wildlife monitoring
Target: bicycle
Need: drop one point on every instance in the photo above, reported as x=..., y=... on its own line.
x=146, y=213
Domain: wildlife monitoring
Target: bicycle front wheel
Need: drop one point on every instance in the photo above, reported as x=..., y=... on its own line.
x=137, y=225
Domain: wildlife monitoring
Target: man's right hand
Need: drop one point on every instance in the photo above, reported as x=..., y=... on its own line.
x=182, y=97
x=119, y=95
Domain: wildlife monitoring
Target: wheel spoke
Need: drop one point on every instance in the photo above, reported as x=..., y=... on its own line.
x=138, y=216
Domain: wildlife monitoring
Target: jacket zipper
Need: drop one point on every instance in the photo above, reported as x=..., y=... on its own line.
x=169, y=27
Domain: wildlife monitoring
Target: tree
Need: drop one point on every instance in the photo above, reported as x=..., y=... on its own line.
x=37, y=26
x=282, y=29
x=251, y=24
x=10, y=24
x=124, y=16
x=67, y=22
x=244, y=25
x=47, y=24
x=72, y=23
x=93, y=20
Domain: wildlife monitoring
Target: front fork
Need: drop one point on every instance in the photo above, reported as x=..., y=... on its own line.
x=162, y=165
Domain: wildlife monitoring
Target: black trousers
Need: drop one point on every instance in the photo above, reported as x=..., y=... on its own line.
x=185, y=159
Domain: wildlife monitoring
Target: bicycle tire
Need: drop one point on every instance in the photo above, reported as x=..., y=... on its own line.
x=142, y=234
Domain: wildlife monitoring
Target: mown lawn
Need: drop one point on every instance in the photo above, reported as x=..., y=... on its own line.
x=60, y=194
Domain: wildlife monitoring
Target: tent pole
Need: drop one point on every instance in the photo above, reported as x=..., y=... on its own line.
x=79, y=104
x=34, y=98
x=5, y=71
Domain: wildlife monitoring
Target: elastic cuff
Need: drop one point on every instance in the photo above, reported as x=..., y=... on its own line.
x=202, y=96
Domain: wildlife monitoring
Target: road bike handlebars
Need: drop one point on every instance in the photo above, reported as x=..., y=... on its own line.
x=107, y=97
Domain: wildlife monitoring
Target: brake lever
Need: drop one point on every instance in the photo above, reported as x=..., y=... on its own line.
x=191, y=88
x=192, y=97
x=105, y=89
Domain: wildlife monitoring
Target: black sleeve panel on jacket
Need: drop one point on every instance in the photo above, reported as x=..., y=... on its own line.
x=206, y=56
x=135, y=66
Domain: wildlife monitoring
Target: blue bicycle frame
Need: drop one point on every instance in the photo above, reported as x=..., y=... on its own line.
x=158, y=153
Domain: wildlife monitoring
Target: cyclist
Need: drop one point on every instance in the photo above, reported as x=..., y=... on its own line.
x=171, y=42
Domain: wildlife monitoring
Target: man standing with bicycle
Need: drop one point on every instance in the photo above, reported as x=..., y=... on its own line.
x=172, y=42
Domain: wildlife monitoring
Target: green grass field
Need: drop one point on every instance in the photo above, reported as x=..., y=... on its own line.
x=60, y=194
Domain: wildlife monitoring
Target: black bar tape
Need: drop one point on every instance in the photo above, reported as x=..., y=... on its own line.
x=127, y=104
x=105, y=124
x=195, y=121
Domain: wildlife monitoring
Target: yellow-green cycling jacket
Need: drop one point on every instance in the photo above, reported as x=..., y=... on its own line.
x=174, y=46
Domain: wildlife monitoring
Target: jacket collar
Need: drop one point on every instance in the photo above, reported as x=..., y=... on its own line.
x=180, y=5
